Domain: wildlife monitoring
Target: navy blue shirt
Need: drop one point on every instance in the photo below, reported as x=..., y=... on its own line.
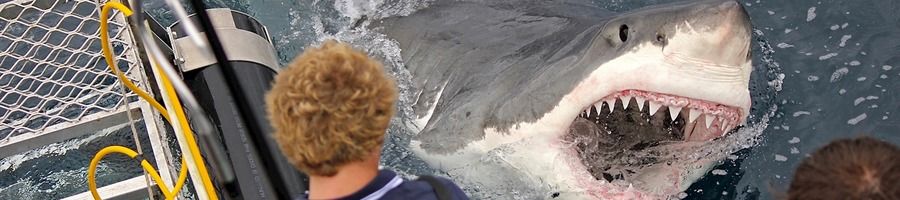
x=387, y=185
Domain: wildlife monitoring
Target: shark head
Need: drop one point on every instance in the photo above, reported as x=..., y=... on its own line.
x=593, y=105
x=680, y=80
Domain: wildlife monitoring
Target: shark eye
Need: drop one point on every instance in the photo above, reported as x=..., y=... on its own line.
x=661, y=39
x=623, y=32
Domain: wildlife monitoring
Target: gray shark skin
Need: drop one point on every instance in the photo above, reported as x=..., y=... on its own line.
x=514, y=76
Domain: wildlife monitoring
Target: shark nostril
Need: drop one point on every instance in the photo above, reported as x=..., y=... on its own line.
x=749, y=55
x=728, y=5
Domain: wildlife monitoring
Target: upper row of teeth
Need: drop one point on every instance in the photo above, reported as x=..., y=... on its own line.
x=693, y=114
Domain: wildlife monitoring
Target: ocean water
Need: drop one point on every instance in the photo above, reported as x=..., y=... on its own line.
x=823, y=70
x=59, y=170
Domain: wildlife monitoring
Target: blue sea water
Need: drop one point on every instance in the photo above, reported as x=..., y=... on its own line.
x=824, y=70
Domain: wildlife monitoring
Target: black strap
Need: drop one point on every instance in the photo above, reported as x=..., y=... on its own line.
x=440, y=190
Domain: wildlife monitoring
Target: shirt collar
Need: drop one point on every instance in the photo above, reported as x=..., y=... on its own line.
x=381, y=180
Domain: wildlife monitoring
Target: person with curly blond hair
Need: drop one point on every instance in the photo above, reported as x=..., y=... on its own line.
x=330, y=108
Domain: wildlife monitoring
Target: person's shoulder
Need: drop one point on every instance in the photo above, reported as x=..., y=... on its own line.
x=423, y=189
x=451, y=188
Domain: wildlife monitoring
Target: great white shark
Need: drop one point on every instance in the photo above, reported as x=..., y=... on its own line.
x=566, y=99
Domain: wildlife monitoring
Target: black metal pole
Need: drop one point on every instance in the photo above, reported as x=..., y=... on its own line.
x=257, y=125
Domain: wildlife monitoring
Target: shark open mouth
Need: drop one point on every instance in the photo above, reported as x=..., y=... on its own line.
x=626, y=131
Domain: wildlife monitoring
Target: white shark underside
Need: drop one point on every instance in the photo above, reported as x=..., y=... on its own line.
x=505, y=86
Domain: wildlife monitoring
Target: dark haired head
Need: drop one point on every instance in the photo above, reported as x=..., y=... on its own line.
x=859, y=168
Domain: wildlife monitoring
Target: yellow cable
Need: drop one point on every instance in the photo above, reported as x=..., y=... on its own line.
x=144, y=163
x=91, y=168
x=188, y=135
x=182, y=177
x=107, y=53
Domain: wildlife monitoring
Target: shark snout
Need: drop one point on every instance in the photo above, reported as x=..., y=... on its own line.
x=716, y=33
x=734, y=25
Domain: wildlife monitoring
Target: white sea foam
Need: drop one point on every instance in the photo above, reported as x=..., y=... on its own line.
x=840, y=72
x=844, y=40
x=827, y=56
x=811, y=14
x=779, y=157
x=812, y=78
x=719, y=172
x=857, y=119
x=861, y=99
x=801, y=113
x=60, y=148
x=784, y=45
x=858, y=100
x=378, y=9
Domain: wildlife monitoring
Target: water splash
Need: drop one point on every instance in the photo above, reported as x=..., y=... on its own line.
x=59, y=170
x=14, y=161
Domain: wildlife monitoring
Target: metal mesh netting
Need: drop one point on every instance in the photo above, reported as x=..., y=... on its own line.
x=52, y=70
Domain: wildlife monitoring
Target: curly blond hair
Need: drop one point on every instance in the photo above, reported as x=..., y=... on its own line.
x=330, y=106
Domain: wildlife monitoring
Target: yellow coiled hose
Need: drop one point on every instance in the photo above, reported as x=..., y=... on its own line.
x=182, y=177
x=180, y=117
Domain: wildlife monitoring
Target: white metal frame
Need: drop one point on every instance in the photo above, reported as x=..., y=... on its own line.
x=131, y=188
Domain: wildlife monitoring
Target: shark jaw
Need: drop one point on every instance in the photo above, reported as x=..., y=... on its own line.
x=708, y=94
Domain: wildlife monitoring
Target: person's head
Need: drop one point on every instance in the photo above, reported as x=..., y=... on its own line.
x=860, y=168
x=330, y=107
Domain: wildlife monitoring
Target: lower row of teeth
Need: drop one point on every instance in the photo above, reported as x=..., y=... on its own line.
x=674, y=111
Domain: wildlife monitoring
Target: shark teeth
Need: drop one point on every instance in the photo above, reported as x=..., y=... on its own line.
x=673, y=111
x=625, y=101
x=723, y=124
x=654, y=106
x=693, y=115
x=611, y=103
x=709, y=120
x=640, y=102
x=725, y=117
